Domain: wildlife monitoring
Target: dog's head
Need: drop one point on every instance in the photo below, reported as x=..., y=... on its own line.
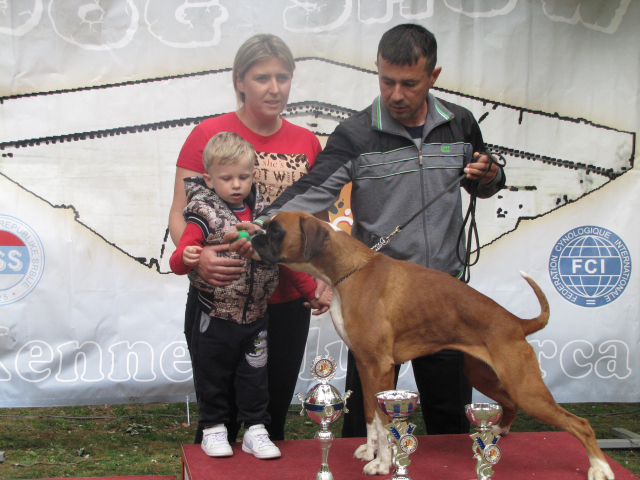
x=290, y=238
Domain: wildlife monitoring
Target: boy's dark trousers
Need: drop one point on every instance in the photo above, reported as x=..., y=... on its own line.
x=225, y=352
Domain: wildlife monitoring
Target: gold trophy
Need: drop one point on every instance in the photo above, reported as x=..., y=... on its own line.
x=485, y=448
x=398, y=405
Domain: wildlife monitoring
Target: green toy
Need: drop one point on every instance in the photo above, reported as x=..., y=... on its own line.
x=243, y=234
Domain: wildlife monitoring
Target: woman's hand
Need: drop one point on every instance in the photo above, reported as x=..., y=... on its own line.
x=320, y=304
x=218, y=271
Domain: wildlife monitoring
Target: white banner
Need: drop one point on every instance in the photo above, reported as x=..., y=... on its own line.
x=98, y=97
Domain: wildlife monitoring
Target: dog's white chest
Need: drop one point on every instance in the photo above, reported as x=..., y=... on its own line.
x=335, y=309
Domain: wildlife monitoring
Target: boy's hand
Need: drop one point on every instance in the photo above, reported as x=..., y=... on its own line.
x=191, y=255
x=242, y=247
x=248, y=227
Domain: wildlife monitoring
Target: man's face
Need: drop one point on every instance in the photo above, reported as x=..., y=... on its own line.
x=404, y=90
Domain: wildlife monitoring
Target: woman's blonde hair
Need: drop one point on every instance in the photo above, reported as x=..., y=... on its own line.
x=259, y=47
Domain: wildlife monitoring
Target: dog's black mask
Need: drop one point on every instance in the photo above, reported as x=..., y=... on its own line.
x=269, y=244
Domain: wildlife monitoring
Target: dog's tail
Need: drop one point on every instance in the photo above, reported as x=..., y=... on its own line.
x=536, y=324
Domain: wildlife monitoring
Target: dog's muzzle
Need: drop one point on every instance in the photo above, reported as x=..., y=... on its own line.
x=260, y=245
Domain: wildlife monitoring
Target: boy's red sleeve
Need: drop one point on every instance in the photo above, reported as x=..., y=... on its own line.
x=303, y=283
x=192, y=235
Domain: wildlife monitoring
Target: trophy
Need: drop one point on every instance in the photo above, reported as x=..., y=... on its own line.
x=398, y=405
x=485, y=448
x=324, y=404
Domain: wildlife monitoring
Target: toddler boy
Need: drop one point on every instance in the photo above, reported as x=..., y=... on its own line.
x=230, y=342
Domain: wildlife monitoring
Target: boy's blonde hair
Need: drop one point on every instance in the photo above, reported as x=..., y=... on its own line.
x=259, y=47
x=226, y=148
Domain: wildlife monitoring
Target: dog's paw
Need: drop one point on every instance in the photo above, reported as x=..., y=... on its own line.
x=600, y=470
x=376, y=467
x=364, y=453
x=371, y=468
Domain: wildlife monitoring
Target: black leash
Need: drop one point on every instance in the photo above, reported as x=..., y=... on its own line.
x=469, y=217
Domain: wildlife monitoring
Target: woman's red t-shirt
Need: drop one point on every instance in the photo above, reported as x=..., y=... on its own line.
x=281, y=159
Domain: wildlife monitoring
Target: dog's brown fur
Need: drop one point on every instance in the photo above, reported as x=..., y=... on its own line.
x=394, y=311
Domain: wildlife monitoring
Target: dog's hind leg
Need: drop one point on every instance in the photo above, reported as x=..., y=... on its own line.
x=523, y=381
x=482, y=377
x=376, y=378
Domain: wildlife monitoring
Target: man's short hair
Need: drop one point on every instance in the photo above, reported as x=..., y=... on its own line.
x=226, y=148
x=405, y=44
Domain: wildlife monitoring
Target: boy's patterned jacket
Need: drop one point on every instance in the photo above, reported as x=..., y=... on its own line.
x=245, y=299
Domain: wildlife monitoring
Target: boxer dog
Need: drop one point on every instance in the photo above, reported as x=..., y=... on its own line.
x=389, y=311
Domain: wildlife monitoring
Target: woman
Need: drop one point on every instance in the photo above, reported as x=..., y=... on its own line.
x=262, y=74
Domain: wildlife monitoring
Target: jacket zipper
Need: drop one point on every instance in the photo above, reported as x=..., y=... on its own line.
x=424, y=221
x=251, y=266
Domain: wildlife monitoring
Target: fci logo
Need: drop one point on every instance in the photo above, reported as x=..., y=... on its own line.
x=590, y=266
x=21, y=259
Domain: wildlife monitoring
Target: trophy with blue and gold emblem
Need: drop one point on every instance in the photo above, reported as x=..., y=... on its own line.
x=485, y=449
x=398, y=405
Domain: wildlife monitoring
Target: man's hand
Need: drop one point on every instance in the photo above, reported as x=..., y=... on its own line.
x=242, y=246
x=218, y=271
x=191, y=255
x=477, y=169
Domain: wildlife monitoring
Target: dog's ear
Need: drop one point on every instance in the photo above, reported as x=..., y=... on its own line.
x=315, y=237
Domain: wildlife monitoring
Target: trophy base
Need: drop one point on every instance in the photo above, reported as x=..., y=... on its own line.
x=324, y=475
x=402, y=476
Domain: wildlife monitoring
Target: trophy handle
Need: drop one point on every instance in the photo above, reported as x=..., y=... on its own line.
x=301, y=398
x=344, y=399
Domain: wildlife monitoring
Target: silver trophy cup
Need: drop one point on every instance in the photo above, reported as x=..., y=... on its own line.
x=485, y=449
x=398, y=405
x=324, y=404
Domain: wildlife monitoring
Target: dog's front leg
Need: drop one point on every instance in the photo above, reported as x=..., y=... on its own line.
x=376, y=377
x=367, y=452
x=382, y=463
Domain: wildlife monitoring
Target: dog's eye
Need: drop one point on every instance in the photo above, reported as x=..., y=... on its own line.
x=276, y=231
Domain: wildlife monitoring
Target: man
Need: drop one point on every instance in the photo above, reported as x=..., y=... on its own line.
x=399, y=153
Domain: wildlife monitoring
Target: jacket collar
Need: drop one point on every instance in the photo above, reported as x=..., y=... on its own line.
x=382, y=120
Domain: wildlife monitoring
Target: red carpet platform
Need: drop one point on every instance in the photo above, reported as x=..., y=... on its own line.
x=536, y=456
x=147, y=477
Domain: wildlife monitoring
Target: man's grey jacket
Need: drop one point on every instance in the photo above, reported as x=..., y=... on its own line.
x=392, y=179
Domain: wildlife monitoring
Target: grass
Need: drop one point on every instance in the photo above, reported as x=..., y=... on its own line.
x=145, y=439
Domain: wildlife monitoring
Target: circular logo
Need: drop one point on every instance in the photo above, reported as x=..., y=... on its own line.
x=408, y=443
x=492, y=453
x=590, y=266
x=323, y=369
x=21, y=259
x=329, y=410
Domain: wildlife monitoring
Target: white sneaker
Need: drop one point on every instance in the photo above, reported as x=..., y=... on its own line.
x=256, y=441
x=215, y=443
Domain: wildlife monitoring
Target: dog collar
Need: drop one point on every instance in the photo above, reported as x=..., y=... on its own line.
x=351, y=273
